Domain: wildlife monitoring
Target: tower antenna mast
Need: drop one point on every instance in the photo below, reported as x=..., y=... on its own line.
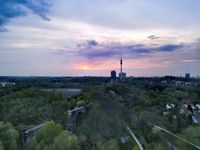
x=121, y=63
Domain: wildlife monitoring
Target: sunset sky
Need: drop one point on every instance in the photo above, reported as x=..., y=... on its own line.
x=88, y=37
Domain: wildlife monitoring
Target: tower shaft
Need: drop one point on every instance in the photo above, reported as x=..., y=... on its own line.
x=121, y=62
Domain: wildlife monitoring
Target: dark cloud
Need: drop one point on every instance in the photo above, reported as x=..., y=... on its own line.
x=87, y=44
x=170, y=47
x=92, y=43
x=129, y=50
x=112, y=51
x=10, y=9
x=102, y=53
x=153, y=37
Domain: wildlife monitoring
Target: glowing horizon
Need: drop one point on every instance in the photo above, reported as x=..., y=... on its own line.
x=73, y=38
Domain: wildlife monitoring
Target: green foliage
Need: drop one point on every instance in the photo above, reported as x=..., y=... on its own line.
x=177, y=95
x=137, y=102
x=192, y=135
x=48, y=133
x=128, y=144
x=135, y=148
x=9, y=137
x=118, y=88
x=156, y=101
x=156, y=146
x=154, y=136
x=52, y=137
x=32, y=106
x=110, y=145
x=1, y=146
x=66, y=141
x=137, y=109
x=104, y=120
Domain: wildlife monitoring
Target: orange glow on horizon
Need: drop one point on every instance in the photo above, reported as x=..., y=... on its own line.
x=95, y=65
x=86, y=67
x=115, y=65
x=92, y=67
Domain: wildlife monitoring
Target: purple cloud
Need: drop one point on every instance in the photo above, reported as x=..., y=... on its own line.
x=93, y=50
x=152, y=37
x=92, y=43
x=171, y=47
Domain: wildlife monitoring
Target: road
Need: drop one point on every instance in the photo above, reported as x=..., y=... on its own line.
x=180, y=138
x=135, y=138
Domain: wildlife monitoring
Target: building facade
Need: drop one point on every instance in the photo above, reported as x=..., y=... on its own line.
x=113, y=75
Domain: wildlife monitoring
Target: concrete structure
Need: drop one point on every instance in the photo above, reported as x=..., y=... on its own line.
x=121, y=63
x=187, y=76
x=170, y=106
x=64, y=91
x=182, y=83
x=164, y=82
x=196, y=119
x=122, y=75
x=113, y=75
x=71, y=118
x=135, y=138
x=27, y=135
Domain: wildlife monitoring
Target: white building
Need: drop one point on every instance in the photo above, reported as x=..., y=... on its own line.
x=122, y=75
x=4, y=84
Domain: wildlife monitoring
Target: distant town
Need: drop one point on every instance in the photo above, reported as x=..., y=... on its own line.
x=132, y=112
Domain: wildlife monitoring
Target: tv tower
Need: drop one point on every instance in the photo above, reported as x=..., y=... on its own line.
x=122, y=75
x=121, y=63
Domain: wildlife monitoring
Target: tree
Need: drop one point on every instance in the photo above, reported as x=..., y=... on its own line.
x=191, y=134
x=52, y=137
x=110, y=145
x=45, y=136
x=9, y=137
x=66, y=141
x=50, y=131
x=135, y=147
x=1, y=146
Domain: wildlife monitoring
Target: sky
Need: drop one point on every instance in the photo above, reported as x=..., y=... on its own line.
x=88, y=38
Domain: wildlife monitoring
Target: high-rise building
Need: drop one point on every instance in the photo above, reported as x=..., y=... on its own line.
x=187, y=76
x=113, y=75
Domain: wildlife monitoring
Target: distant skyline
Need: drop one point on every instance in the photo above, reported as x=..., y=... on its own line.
x=88, y=38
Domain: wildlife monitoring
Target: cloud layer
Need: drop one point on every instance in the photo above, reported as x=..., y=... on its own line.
x=10, y=9
x=92, y=50
x=131, y=14
x=85, y=36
